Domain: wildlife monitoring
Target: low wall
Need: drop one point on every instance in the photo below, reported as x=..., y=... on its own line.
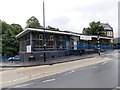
x=24, y=56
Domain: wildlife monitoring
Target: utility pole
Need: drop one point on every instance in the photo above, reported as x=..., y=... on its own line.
x=98, y=41
x=44, y=31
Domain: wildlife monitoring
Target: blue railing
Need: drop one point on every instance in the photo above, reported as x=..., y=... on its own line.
x=117, y=47
x=4, y=58
x=83, y=47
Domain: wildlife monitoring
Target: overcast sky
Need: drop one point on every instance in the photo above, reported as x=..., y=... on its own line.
x=72, y=15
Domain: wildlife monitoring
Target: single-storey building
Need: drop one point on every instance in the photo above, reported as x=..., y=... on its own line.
x=57, y=43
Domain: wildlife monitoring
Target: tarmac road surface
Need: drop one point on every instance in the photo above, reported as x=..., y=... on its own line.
x=102, y=75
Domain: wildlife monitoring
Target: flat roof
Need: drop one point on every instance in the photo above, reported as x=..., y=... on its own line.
x=27, y=30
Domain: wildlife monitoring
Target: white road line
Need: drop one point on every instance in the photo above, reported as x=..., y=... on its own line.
x=6, y=82
x=23, y=85
x=15, y=80
x=24, y=78
x=103, y=63
x=70, y=72
x=21, y=79
x=94, y=67
x=49, y=80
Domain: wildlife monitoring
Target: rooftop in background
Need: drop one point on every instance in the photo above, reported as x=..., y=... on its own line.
x=107, y=26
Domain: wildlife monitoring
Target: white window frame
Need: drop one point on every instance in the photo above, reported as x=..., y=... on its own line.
x=111, y=33
x=108, y=33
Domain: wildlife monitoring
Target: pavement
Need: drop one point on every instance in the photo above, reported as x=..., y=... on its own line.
x=47, y=62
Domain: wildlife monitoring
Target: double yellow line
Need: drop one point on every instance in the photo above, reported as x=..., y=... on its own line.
x=19, y=66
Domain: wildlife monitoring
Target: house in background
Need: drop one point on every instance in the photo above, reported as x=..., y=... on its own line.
x=108, y=30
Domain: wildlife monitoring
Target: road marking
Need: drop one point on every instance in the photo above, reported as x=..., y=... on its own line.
x=94, y=67
x=49, y=80
x=103, y=63
x=15, y=80
x=22, y=67
x=25, y=77
x=23, y=85
x=70, y=72
x=20, y=79
x=7, y=82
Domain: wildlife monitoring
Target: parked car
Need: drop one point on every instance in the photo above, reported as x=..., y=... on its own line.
x=15, y=58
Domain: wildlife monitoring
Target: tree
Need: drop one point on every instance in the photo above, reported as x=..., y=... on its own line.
x=10, y=44
x=33, y=22
x=16, y=28
x=94, y=28
x=5, y=26
x=52, y=28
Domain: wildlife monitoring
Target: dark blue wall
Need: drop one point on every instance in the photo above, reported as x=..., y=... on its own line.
x=49, y=54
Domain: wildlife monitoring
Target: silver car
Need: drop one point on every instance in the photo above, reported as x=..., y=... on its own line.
x=15, y=58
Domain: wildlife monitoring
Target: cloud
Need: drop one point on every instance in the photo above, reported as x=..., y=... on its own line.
x=59, y=22
x=81, y=16
x=63, y=14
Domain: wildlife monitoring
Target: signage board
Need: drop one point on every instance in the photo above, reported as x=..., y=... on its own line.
x=83, y=37
x=29, y=48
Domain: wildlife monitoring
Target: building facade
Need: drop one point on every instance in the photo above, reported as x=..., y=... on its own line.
x=58, y=43
x=108, y=30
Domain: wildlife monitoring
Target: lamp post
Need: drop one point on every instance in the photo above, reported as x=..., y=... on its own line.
x=44, y=32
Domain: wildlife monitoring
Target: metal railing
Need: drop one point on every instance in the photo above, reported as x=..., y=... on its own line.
x=83, y=47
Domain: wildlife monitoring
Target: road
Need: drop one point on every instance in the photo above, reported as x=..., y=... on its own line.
x=102, y=75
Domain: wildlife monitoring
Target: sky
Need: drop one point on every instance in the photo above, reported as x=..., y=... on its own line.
x=72, y=15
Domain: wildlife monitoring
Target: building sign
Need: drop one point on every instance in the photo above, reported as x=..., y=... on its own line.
x=29, y=48
x=85, y=37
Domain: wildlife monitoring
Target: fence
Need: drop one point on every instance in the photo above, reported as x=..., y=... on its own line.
x=4, y=58
x=83, y=47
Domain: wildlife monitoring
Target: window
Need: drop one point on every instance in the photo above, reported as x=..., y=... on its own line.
x=51, y=37
x=41, y=37
x=110, y=33
x=60, y=38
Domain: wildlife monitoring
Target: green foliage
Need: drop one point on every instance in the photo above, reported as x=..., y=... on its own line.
x=5, y=26
x=52, y=28
x=114, y=44
x=33, y=22
x=16, y=28
x=10, y=44
x=94, y=29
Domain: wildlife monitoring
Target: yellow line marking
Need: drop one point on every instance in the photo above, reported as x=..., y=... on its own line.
x=21, y=66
